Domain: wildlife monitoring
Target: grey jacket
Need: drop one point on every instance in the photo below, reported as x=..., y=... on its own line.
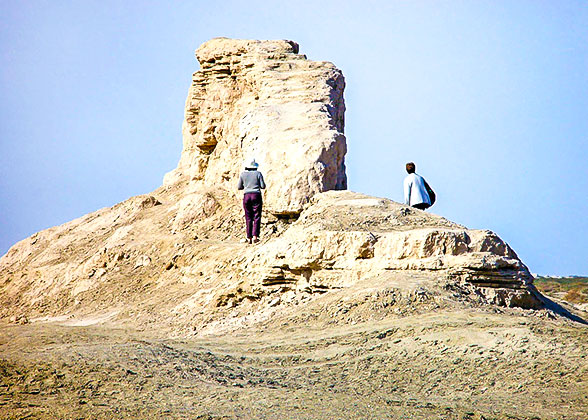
x=251, y=181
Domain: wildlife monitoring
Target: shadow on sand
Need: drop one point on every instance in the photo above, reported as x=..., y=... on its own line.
x=560, y=310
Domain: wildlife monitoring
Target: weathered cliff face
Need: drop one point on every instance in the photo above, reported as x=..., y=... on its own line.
x=343, y=237
x=173, y=258
x=262, y=100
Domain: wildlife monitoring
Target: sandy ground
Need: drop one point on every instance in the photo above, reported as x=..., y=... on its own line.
x=320, y=360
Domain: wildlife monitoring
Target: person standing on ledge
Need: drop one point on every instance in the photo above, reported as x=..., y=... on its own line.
x=251, y=180
x=417, y=192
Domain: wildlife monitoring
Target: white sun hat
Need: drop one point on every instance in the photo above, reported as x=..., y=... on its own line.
x=252, y=164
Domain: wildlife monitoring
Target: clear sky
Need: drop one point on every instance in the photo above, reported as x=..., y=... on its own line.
x=489, y=98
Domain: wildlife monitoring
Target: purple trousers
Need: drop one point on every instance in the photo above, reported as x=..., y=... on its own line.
x=252, y=205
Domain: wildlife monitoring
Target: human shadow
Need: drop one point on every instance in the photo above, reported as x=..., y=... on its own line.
x=558, y=309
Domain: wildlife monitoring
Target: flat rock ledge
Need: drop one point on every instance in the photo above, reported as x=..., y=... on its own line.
x=344, y=236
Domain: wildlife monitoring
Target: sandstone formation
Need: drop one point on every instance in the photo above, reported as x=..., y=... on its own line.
x=343, y=236
x=263, y=100
x=174, y=255
x=351, y=306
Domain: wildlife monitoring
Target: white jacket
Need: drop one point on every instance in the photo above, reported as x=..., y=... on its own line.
x=415, y=191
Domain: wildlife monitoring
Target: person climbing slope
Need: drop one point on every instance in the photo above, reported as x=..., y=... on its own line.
x=251, y=180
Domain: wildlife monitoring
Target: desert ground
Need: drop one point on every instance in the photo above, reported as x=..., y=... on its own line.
x=349, y=354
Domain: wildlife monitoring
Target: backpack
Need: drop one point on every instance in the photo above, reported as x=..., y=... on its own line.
x=432, y=196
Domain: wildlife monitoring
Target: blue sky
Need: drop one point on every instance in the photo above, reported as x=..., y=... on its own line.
x=489, y=98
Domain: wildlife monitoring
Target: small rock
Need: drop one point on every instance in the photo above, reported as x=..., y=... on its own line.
x=20, y=319
x=142, y=261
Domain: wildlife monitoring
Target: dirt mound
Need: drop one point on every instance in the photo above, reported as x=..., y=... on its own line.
x=351, y=307
x=418, y=359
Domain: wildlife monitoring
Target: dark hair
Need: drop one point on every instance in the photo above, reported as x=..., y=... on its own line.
x=410, y=167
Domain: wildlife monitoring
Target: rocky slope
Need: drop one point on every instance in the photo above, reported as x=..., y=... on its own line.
x=338, y=278
x=263, y=100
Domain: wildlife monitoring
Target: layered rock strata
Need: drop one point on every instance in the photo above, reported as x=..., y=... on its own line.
x=344, y=236
x=263, y=100
x=173, y=256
